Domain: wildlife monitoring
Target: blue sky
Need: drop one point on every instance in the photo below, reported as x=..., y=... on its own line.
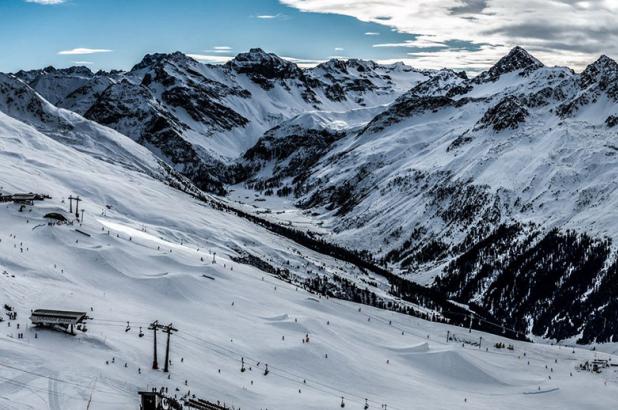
x=460, y=34
x=33, y=35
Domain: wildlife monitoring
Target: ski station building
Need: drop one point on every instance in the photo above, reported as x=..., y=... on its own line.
x=64, y=319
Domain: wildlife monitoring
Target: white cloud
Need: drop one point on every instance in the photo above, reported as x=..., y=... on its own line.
x=82, y=51
x=210, y=59
x=372, y=33
x=559, y=32
x=82, y=62
x=420, y=42
x=220, y=50
x=303, y=62
x=46, y=2
x=271, y=16
x=339, y=49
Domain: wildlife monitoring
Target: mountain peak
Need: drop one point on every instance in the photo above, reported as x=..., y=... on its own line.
x=603, y=71
x=257, y=62
x=516, y=59
x=150, y=60
x=602, y=64
x=256, y=55
x=77, y=70
x=340, y=65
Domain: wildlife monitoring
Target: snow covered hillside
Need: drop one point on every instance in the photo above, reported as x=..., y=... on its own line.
x=498, y=190
x=145, y=251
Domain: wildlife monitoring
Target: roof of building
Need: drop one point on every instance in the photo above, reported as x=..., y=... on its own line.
x=56, y=215
x=58, y=314
x=24, y=196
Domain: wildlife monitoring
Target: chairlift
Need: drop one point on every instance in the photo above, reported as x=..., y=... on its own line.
x=128, y=327
x=141, y=334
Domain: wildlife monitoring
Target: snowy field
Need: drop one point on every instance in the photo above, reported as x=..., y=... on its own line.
x=148, y=255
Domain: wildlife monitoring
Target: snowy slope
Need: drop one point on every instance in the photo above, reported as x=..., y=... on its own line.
x=497, y=191
x=429, y=185
x=149, y=257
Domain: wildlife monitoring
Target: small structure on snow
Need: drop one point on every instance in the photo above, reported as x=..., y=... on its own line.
x=154, y=400
x=55, y=217
x=63, y=319
x=23, y=198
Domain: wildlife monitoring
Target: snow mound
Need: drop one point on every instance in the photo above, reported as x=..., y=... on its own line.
x=451, y=367
x=420, y=348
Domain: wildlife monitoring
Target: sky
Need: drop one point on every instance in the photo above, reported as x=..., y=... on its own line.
x=459, y=34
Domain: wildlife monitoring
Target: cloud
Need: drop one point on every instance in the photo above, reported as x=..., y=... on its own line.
x=469, y=7
x=82, y=51
x=220, y=50
x=303, y=62
x=372, y=33
x=339, y=49
x=271, y=16
x=210, y=59
x=82, y=62
x=560, y=32
x=46, y=2
x=419, y=42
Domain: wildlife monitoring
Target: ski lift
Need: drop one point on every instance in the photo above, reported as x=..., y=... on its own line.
x=342, y=403
x=128, y=327
x=141, y=334
x=366, y=405
x=242, y=365
x=266, y=371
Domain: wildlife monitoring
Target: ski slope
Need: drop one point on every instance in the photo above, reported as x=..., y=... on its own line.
x=149, y=256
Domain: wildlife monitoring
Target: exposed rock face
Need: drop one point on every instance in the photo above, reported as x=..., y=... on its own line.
x=603, y=72
x=294, y=150
x=405, y=107
x=444, y=82
x=263, y=67
x=508, y=113
x=598, y=81
x=516, y=59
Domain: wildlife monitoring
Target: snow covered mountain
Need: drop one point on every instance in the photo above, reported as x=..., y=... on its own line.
x=497, y=191
x=198, y=117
